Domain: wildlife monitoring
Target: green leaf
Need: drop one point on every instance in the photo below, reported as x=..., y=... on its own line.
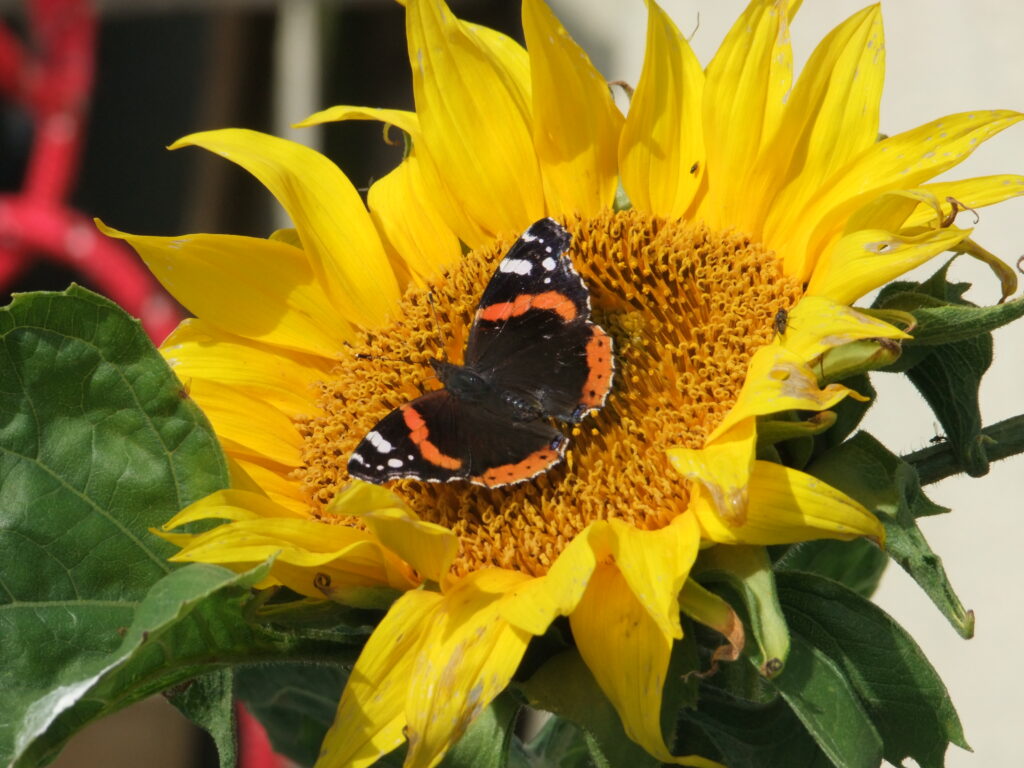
x=900, y=690
x=296, y=703
x=857, y=564
x=748, y=571
x=559, y=742
x=486, y=742
x=849, y=412
x=949, y=380
x=819, y=693
x=96, y=447
x=209, y=702
x=189, y=624
x=866, y=470
x=749, y=735
x=565, y=687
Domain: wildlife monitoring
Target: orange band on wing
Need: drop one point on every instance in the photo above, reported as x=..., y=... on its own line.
x=536, y=462
x=556, y=302
x=418, y=433
x=599, y=361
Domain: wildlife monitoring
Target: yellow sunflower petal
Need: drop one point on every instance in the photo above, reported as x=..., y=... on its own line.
x=409, y=224
x=831, y=116
x=747, y=83
x=273, y=296
x=903, y=161
x=655, y=565
x=466, y=658
x=722, y=469
x=862, y=261
x=370, y=721
x=712, y=611
x=628, y=654
x=786, y=506
x=474, y=120
x=337, y=235
x=255, y=427
x=230, y=504
x=968, y=193
x=575, y=122
x=661, y=150
x=534, y=604
x=817, y=324
x=427, y=547
x=400, y=118
x=421, y=177
x=778, y=380
x=283, y=379
x=275, y=481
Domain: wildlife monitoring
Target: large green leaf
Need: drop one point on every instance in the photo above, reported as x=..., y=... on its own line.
x=750, y=735
x=857, y=564
x=295, y=702
x=209, y=702
x=189, y=624
x=866, y=470
x=900, y=690
x=96, y=447
x=820, y=694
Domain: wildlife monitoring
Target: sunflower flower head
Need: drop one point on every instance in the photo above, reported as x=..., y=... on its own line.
x=760, y=208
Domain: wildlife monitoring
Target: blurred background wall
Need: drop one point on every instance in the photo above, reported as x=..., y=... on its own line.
x=165, y=69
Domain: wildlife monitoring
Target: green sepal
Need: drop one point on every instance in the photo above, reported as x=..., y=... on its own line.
x=900, y=690
x=857, y=357
x=823, y=698
x=295, y=702
x=866, y=470
x=209, y=702
x=775, y=429
x=849, y=413
x=747, y=570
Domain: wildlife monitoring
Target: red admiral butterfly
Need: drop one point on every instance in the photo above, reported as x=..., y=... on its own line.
x=533, y=355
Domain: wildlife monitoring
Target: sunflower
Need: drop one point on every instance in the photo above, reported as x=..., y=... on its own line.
x=724, y=226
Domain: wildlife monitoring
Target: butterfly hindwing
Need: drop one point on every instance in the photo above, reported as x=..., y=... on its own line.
x=422, y=439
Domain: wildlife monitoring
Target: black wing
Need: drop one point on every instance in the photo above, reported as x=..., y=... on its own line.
x=422, y=439
x=439, y=438
x=532, y=332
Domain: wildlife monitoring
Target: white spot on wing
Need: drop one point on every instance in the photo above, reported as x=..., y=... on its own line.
x=518, y=266
x=358, y=459
x=377, y=441
x=549, y=263
x=394, y=463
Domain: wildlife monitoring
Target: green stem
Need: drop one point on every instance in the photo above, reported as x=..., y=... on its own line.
x=938, y=462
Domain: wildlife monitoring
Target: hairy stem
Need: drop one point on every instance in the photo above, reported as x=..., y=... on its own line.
x=937, y=462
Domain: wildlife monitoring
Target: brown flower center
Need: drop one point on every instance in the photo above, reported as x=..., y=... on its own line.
x=686, y=308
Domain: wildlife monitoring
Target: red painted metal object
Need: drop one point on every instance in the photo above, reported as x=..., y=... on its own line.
x=51, y=80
